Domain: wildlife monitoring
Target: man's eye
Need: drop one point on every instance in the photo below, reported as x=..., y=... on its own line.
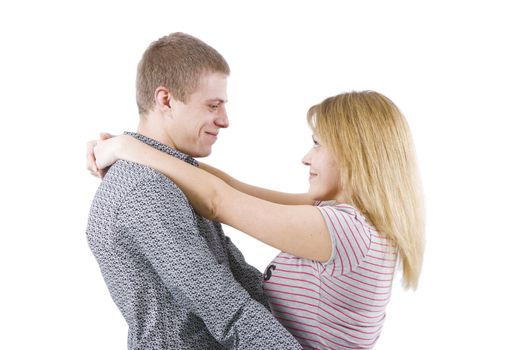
x=214, y=107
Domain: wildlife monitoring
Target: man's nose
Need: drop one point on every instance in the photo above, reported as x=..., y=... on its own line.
x=222, y=121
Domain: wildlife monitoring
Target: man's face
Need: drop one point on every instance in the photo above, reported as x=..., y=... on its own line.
x=193, y=127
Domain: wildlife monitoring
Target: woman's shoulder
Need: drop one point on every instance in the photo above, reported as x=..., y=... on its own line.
x=348, y=210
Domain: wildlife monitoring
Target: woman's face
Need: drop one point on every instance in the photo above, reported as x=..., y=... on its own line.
x=324, y=173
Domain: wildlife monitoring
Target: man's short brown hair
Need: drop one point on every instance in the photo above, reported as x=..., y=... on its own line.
x=176, y=61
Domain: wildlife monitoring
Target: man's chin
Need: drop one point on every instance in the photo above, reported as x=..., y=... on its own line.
x=202, y=154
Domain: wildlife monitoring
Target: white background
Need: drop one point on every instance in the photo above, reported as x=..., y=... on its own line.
x=456, y=69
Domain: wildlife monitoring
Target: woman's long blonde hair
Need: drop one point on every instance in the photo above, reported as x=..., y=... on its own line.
x=371, y=141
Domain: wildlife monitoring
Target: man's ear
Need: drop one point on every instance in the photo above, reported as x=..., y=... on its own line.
x=162, y=98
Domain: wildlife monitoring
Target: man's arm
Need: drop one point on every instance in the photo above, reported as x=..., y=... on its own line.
x=247, y=275
x=161, y=224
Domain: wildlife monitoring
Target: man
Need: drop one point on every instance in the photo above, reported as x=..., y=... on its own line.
x=179, y=282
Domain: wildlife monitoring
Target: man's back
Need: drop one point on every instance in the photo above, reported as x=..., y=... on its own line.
x=178, y=281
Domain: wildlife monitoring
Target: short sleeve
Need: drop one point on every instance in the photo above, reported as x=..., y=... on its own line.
x=350, y=237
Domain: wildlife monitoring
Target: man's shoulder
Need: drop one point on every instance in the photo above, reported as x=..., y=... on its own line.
x=134, y=176
x=135, y=183
x=134, y=194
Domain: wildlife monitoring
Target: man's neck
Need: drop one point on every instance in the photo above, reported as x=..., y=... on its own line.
x=149, y=127
x=162, y=147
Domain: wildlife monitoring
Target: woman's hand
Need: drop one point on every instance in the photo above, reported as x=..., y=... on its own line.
x=108, y=151
x=91, y=163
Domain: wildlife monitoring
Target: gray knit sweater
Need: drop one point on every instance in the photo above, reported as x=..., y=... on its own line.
x=179, y=282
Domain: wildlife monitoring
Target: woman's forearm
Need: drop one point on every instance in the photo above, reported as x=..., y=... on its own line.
x=200, y=187
x=259, y=192
x=219, y=173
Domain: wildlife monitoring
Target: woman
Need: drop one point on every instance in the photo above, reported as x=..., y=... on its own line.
x=340, y=243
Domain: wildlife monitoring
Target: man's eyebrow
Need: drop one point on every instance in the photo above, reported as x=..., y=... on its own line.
x=217, y=100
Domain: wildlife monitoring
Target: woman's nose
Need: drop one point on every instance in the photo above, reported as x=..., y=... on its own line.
x=306, y=159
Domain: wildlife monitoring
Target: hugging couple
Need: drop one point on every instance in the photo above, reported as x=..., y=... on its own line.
x=155, y=221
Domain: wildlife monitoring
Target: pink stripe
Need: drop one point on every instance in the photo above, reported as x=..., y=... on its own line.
x=373, y=278
x=295, y=272
x=337, y=309
x=323, y=309
x=318, y=315
x=348, y=306
x=345, y=327
x=321, y=283
x=357, y=214
x=382, y=244
x=383, y=252
x=324, y=281
x=366, y=239
x=355, y=301
x=288, y=307
x=363, y=282
x=318, y=328
x=368, y=297
x=377, y=272
x=353, y=308
x=336, y=245
x=374, y=292
x=291, y=286
x=334, y=263
x=381, y=237
x=370, y=314
x=388, y=287
x=390, y=267
x=346, y=237
x=295, y=279
x=352, y=209
x=381, y=258
x=328, y=339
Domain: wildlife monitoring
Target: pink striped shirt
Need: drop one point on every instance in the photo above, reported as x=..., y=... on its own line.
x=339, y=304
